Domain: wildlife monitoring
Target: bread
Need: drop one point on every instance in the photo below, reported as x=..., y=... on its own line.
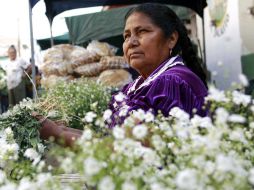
x=115, y=78
x=113, y=62
x=62, y=59
x=89, y=69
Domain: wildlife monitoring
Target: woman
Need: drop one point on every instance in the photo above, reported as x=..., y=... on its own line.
x=157, y=46
x=15, y=68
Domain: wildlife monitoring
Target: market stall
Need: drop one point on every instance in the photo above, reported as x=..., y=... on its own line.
x=105, y=24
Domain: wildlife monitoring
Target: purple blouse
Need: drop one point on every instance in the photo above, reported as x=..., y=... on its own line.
x=172, y=84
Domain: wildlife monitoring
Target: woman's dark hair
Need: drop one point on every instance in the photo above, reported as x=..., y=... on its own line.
x=163, y=17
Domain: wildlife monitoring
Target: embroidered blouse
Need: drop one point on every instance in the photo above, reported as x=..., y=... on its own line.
x=172, y=84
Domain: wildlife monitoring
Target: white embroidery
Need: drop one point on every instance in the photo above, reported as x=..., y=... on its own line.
x=151, y=78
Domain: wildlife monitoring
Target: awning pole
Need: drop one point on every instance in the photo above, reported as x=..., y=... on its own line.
x=32, y=51
x=204, y=44
x=51, y=35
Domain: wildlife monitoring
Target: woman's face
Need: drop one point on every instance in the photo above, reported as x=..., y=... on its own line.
x=12, y=54
x=145, y=46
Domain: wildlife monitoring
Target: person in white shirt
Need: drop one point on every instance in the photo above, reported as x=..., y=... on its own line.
x=15, y=68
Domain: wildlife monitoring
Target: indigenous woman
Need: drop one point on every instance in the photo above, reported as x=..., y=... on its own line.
x=156, y=44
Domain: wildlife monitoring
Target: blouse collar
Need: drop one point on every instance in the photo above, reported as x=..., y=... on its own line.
x=157, y=72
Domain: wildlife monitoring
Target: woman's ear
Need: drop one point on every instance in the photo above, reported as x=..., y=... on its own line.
x=173, y=39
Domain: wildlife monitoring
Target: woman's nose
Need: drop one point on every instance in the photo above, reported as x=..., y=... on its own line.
x=133, y=40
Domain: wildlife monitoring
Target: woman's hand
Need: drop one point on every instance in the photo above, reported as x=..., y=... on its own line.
x=48, y=127
x=63, y=135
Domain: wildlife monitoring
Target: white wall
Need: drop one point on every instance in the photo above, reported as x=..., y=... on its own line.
x=223, y=42
x=246, y=26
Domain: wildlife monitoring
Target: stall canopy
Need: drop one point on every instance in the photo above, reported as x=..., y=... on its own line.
x=54, y=7
x=105, y=24
x=46, y=42
x=33, y=2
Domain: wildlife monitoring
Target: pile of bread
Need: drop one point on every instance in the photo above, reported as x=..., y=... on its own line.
x=97, y=61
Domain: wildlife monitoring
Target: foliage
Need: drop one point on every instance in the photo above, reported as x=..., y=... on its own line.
x=72, y=101
x=3, y=82
x=20, y=141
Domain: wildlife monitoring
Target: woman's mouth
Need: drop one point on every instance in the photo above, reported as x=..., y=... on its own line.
x=135, y=55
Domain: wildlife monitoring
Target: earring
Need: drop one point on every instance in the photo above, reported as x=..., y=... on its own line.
x=170, y=52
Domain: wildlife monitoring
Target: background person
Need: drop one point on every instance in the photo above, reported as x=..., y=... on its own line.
x=15, y=68
x=156, y=44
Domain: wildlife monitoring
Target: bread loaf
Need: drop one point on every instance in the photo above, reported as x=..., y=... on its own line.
x=115, y=78
x=89, y=69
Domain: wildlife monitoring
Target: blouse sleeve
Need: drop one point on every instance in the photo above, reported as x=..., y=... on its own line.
x=163, y=94
x=23, y=63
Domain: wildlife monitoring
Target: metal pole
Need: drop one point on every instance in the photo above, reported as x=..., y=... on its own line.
x=18, y=38
x=32, y=51
x=204, y=44
x=51, y=35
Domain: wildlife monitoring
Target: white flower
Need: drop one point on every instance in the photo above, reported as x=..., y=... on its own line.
x=243, y=79
x=139, y=114
x=94, y=105
x=157, y=186
x=139, y=131
x=224, y=163
x=107, y=114
x=186, y=179
x=14, y=149
x=221, y=115
x=41, y=147
x=203, y=122
x=179, y=114
x=118, y=133
x=53, y=113
x=129, y=121
x=120, y=97
x=182, y=133
x=106, y=184
x=92, y=166
x=9, y=186
x=251, y=124
x=209, y=167
x=8, y=132
x=216, y=95
x=235, y=118
x=158, y=143
x=31, y=154
x=240, y=98
x=66, y=165
x=151, y=158
x=237, y=135
x=2, y=177
x=86, y=135
x=43, y=178
x=252, y=108
x=149, y=117
x=251, y=176
x=123, y=111
x=25, y=184
x=129, y=186
x=89, y=117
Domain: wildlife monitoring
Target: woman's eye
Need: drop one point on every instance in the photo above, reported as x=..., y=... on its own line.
x=142, y=31
x=126, y=36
